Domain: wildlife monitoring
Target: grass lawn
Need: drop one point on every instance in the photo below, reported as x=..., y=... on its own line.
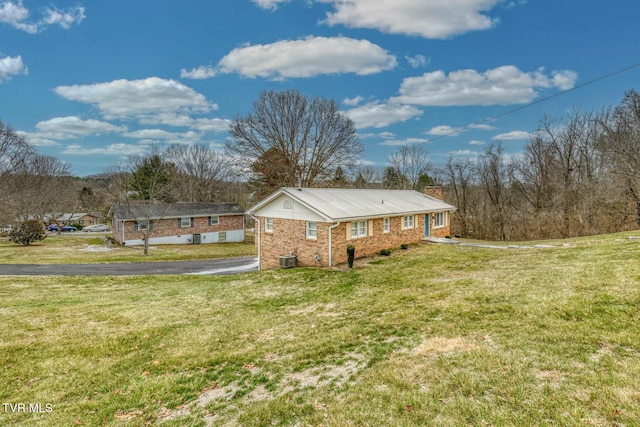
x=439, y=335
x=90, y=248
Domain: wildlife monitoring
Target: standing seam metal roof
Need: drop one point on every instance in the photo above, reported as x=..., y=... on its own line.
x=341, y=204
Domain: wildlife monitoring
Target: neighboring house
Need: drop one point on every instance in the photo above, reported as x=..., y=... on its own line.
x=83, y=219
x=317, y=224
x=178, y=223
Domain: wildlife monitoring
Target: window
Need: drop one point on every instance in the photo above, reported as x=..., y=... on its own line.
x=268, y=225
x=386, y=225
x=407, y=222
x=438, y=219
x=358, y=229
x=214, y=220
x=143, y=225
x=185, y=222
x=312, y=230
x=222, y=236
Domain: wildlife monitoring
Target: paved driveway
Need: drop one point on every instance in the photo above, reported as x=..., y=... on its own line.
x=212, y=266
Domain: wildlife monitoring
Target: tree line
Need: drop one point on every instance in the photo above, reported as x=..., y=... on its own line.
x=578, y=174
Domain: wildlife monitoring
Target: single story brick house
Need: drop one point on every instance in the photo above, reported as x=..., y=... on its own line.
x=77, y=218
x=317, y=224
x=177, y=223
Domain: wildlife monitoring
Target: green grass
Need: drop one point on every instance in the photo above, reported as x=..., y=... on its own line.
x=83, y=248
x=439, y=335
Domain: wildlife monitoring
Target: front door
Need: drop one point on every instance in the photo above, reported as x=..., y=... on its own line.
x=426, y=225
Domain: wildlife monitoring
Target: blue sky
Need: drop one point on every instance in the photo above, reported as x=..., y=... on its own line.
x=92, y=82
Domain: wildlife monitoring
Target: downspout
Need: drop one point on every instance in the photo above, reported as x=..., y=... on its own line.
x=330, y=243
x=257, y=234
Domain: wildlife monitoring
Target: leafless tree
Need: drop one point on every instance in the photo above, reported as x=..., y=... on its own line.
x=460, y=175
x=198, y=173
x=620, y=143
x=493, y=174
x=411, y=162
x=309, y=135
x=139, y=188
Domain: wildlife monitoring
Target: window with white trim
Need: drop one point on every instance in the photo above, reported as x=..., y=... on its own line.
x=214, y=220
x=407, y=222
x=268, y=225
x=358, y=229
x=386, y=225
x=312, y=230
x=439, y=219
x=185, y=222
x=143, y=225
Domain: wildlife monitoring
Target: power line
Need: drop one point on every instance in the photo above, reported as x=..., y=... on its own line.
x=539, y=101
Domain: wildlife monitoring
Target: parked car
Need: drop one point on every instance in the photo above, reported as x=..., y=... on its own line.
x=52, y=227
x=96, y=228
x=69, y=228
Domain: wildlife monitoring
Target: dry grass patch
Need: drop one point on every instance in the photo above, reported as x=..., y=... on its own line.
x=439, y=345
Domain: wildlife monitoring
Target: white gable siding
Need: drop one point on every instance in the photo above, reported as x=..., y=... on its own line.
x=276, y=209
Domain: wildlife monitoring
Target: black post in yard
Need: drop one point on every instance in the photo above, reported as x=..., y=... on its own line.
x=351, y=254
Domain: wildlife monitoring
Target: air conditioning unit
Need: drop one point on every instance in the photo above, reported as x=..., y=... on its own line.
x=287, y=261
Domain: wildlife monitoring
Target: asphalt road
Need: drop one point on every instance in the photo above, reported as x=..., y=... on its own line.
x=212, y=266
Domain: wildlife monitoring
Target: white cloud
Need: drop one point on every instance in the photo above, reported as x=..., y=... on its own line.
x=153, y=135
x=16, y=15
x=269, y=4
x=417, y=61
x=202, y=124
x=513, y=135
x=37, y=139
x=118, y=149
x=64, y=18
x=405, y=141
x=464, y=153
x=443, y=130
x=11, y=66
x=199, y=73
x=352, y=102
x=476, y=142
x=307, y=57
x=499, y=86
x=482, y=126
x=74, y=127
x=211, y=125
x=138, y=98
x=434, y=19
x=374, y=114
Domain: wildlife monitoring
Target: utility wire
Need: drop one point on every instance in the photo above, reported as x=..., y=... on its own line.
x=539, y=101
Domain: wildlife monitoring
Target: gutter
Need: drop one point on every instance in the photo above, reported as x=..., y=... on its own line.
x=330, y=245
x=257, y=234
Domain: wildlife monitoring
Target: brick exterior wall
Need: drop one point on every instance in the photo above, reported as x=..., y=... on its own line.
x=170, y=227
x=289, y=237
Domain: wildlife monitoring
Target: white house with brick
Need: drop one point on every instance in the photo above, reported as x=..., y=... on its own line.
x=317, y=224
x=178, y=223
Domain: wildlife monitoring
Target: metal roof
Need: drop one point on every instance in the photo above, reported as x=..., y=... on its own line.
x=174, y=210
x=337, y=204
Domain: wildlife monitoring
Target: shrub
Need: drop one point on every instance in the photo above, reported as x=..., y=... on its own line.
x=385, y=252
x=404, y=246
x=27, y=232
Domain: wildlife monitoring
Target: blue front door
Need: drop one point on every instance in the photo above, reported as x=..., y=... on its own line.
x=426, y=225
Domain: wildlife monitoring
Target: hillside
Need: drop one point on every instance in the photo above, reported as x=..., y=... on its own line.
x=434, y=335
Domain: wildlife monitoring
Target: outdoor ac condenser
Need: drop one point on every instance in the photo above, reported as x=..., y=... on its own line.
x=287, y=261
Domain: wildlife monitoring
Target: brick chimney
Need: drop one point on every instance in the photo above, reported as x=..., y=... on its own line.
x=434, y=191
